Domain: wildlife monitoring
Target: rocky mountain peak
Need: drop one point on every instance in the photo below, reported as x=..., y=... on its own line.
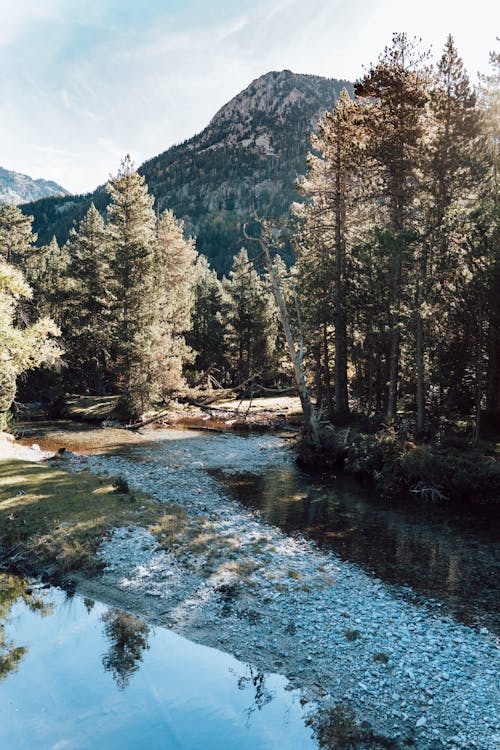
x=19, y=188
x=248, y=156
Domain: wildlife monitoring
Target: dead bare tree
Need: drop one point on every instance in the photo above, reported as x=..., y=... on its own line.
x=311, y=425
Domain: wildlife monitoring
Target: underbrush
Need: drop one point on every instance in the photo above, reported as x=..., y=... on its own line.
x=433, y=472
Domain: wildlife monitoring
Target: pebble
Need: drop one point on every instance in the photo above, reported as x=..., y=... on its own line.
x=430, y=654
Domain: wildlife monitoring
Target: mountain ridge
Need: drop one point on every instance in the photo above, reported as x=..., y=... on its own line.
x=16, y=187
x=250, y=154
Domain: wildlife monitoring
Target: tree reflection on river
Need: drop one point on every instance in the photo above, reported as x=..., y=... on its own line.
x=56, y=693
x=13, y=589
x=443, y=552
x=128, y=636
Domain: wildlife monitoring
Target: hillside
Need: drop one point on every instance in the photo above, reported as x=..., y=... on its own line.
x=19, y=188
x=251, y=152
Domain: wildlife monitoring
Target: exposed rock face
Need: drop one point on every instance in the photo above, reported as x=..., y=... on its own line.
x=19, y=188
x=250, y=153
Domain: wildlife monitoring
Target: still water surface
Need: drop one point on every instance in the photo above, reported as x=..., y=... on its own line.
x=83, y=676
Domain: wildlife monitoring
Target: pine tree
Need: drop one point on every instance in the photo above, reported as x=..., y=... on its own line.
x=47, y=273
x=333, y=185
x=206, y=335
x=396, y=88
x=174, y=283
x=88, y=327
x=449, y=183
x=16, y=236
x=132, y=227
x=250, y=321
x=490, y=221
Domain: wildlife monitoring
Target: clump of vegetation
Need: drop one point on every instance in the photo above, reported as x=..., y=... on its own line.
x=338, y=729
x=428, y=471
x=381, y=656
x=121, y=486
x=352, y=635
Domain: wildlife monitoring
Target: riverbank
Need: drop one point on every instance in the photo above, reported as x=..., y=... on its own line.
x=348, y=640
x=223, y=577
x=447, y=470
x=52, y=521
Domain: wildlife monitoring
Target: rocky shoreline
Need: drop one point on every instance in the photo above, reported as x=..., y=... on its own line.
x=345, y=638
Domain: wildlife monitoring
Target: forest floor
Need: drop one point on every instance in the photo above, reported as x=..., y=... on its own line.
x=381, y=670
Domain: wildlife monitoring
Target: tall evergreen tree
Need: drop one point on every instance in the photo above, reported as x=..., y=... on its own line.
x=46, y=270
x=396, y=88
x=174, y=285
x=323, y=246
x=490, y=221
x=206, y=334
x=16, y=235
x=88, y=328
x=449, y=151
x=132, y=226
x=250, y=320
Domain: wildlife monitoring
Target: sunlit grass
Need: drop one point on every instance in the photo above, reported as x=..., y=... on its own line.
x=55, y=517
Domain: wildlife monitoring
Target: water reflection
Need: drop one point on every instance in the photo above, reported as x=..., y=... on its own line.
x=183, y=696
x=128, y=637
x=442, y=551
x=449, y=554
x=255, y=680
x=13, y=589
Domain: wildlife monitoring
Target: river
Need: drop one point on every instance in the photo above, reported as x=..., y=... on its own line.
x=448, y=554
x=389, y=640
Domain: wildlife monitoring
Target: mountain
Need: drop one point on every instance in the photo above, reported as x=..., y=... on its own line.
x=19, y=188
x=250, y=154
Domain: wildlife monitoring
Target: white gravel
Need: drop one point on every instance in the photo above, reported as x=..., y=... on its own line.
x=285, y=606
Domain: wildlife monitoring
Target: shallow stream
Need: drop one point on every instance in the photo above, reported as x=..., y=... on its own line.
x=433, y=551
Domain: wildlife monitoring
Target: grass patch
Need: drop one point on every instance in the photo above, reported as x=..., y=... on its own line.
x=93, y=408
x=53, y=518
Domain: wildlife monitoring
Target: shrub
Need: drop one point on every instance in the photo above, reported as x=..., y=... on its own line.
x=121, y=486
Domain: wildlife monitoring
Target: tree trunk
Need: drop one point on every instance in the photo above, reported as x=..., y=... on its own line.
x=341, y=394
x=311, y=427
x=420, y=376
x=326, y=370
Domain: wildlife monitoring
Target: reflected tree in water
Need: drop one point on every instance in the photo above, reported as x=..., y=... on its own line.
x=13, y=589
x=262, y=696
x=128, y=636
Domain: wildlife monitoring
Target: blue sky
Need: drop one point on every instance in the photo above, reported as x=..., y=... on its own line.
x=83, y=83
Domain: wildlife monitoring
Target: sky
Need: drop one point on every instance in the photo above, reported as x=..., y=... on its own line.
x=84, y=82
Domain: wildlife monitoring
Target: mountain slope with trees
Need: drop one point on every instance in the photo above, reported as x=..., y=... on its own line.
x=252, y=152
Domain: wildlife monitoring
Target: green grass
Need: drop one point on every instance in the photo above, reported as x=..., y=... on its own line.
x=56, y=518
